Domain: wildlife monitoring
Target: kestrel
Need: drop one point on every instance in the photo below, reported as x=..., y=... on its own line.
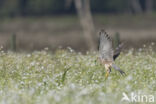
x=107, y=55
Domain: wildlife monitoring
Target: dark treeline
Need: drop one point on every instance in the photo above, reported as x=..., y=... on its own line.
x=52, y=7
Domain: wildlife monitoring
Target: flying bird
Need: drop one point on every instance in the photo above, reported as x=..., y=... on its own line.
x=107, y=55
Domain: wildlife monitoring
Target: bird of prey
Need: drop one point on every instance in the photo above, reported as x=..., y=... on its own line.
x=107, y=55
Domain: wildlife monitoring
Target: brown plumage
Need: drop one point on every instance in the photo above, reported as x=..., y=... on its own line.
x=107, y=55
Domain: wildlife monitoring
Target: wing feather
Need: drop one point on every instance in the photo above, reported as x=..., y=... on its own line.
x=105, y=46
x=117, y=51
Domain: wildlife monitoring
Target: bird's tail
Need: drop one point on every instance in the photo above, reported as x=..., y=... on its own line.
x=118, y=69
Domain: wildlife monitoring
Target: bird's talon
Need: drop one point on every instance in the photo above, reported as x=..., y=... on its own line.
x=107, y=74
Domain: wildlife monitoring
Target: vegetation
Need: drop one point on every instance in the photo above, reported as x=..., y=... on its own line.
x=50, y=7
x=68, y=77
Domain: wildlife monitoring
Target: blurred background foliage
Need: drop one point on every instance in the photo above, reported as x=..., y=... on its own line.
x=37, y=24
x=52, y=7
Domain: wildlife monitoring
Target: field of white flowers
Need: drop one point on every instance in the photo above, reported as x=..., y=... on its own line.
x=68, y=77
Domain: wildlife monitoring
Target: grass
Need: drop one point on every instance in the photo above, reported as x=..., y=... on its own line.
x=68, y=77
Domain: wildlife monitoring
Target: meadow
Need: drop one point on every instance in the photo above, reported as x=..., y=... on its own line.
x=69, y=77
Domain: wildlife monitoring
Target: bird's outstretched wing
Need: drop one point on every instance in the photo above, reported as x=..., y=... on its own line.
x=105, y=46
x=117, y=51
